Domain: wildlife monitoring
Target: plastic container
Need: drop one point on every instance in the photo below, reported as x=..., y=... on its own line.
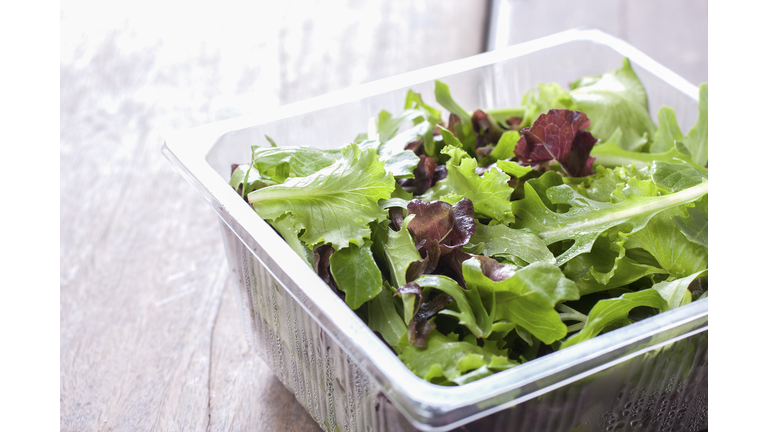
x=651, y=375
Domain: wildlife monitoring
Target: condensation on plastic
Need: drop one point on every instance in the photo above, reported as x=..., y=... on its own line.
x=651, y=375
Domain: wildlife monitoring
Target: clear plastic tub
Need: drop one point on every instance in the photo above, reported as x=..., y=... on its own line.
x=651, y=375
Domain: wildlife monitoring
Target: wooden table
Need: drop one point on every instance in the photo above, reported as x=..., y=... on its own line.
x=150, y=335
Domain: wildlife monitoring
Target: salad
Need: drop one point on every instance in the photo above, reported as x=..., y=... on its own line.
x=472, y=242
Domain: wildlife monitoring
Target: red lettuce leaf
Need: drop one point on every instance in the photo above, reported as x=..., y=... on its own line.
x=449, y=226
x=486, y=129
x=559, y=134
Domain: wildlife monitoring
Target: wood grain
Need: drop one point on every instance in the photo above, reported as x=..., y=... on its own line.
x=150, y=336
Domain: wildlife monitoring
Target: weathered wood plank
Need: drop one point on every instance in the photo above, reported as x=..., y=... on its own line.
x=245, y=394
x=150, y=339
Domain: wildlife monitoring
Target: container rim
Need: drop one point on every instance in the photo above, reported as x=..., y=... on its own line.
x=424, y=404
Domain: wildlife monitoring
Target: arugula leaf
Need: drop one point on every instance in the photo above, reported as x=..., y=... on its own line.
x=527, y=298
x=586, y=218
x=356, y=273
x=502, y=241
x=615, y=311
x=333, y=205
x=617, y=99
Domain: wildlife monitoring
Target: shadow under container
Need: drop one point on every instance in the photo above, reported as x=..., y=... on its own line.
x=647, y=376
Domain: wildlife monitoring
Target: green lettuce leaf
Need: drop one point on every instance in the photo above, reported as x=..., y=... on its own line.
x=528, y=298
x=693, y=222
x=610, y=154
x=278, y=163
x=333, y=205
x=698, y=137
x=668, y=131
x=356, y=273
x=471, y=313
x=612, y=312
x=285, y=227
x=668, y=245
x=617, y=99
x=542, y=99
x=464, y=131
x=395, y=250
x=675, y=292
x=446, y=358
x=489, y=193
x=674, y=177
x=383, y=318
x=606, y=267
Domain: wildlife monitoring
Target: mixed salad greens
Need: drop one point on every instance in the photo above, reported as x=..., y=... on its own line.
x=473, y=242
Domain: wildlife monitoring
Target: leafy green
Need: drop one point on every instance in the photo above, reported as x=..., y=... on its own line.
x=675, y=292
x=695, y=225
x=489, y=193
x=512, y=244
x=617, y=99
x=528, y=298
x=606, y=267
x=395, y=250
x=586, y=219
x=615, y=311
x=447, y=358
x=466, y=256
x=356, y=273
x=471, y=313
x=668, y=131
x=697, y=139
x=335, y=204
x=383, y=318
